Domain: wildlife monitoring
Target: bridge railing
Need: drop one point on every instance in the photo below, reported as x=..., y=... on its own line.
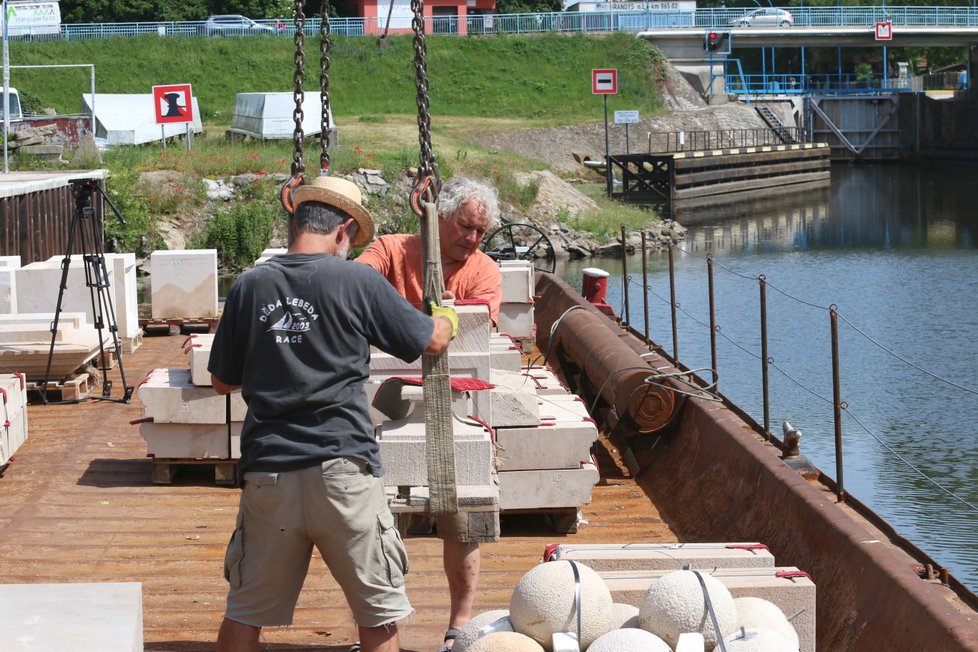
x=596, y=21
x=696, y=141
x=822, y=84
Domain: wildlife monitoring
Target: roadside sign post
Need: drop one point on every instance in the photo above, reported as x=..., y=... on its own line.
x=604, y=81
x=626, y=118
x=173, y=103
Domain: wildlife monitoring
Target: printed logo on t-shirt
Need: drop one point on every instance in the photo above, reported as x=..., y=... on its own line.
x=296, y=318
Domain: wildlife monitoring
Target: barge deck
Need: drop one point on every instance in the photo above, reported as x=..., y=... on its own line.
x=78, y=504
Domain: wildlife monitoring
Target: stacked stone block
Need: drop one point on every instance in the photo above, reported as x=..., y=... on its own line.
x=516, y=309
x=184, y=284
x=13, y=426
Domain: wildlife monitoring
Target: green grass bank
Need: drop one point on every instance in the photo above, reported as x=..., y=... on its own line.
x=543, y=77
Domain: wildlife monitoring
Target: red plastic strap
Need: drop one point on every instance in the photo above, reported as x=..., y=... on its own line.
x=550, y=552
x=535, y=380
x=792, y=573
x=746, y=546
x=136, y=422
x=186, y=349
x=6, y=424
x=4, y=392
x=484, y=424
x=23, y=379
x=189, y=337
x=590, y=420
x=143, y=381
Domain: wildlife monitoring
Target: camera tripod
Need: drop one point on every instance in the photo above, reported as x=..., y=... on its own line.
x=87, y=227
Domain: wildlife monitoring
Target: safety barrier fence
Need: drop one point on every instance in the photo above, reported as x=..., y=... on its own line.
x=595, y=21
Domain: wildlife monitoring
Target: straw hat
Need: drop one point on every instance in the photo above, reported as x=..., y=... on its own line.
x=343, y=195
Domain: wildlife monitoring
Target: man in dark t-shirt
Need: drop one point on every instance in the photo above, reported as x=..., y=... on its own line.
x=295, y=337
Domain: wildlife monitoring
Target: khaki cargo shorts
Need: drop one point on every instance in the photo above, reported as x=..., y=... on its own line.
x=341, y=510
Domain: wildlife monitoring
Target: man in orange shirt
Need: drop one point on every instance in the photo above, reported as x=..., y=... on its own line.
x=467, y=210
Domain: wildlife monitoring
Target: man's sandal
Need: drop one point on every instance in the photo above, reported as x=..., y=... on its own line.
x=450, y=637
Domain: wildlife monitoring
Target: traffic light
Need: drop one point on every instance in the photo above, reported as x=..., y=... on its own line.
x=715, y=41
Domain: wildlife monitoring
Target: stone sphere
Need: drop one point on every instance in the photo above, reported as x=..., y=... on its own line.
x=675, y=604
x=469, y=632
x=629, y=640
x=625, y=616
x=505, y=642
x=543, y=603
x=757, y=613
x=757, y=640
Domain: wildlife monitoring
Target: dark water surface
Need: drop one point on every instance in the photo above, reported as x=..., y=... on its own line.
x=896, y=250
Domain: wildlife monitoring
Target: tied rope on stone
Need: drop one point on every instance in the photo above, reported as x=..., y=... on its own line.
x=439, y=433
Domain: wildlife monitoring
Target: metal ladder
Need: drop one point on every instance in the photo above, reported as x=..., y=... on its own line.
x=772, y=121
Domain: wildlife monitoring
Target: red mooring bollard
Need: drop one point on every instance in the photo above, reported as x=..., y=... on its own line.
x=595, y=287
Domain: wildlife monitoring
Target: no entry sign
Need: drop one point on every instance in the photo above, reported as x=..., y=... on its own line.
x=604, y=81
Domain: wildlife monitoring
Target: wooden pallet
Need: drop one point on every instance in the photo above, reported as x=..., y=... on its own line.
x=76, y=387
x=179, y=326
x=165, y=468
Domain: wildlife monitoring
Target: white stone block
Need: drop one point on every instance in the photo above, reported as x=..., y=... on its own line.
x=473, y=329
x=517, y=283
x=25, y=346
x=9, y=262
x=666, y=556
x=198, y=350
x=13, y=415
x=563, y=407
x=8, y=291
x=192, y=440
x=403, y=451
x=38, y=286
x=514, y=408
x=560, y=445
x=84, y=617
x=516, y=319
x=504, y=353
x=461, y=365
x=547, y=488
x=461, y=402
x=169, y=396
x=786, y=587
x=273, y=251
x=546, y=382
x=184, y=283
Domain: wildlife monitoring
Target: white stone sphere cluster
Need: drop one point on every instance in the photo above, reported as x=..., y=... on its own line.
x=543, y=603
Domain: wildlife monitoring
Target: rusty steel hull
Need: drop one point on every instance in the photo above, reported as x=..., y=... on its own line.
x=715, y=478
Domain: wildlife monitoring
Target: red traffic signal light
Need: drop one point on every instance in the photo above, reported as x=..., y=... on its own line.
x=714, y=40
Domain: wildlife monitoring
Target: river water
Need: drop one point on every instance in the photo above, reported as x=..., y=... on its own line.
x=895, y=249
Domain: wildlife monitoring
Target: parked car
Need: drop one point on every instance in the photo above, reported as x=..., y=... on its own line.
x=764, y=17
x=234, y=25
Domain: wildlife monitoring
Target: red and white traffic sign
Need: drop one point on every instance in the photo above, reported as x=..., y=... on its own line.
x=604, y=81
x=884, y=31
x=173, y=103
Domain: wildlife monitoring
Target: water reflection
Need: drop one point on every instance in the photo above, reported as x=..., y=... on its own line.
x=893, y=247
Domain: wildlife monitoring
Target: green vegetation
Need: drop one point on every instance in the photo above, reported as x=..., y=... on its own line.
x=475, y=84
x=545, y=76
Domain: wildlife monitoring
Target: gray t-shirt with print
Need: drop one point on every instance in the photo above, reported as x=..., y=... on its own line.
x=295, y=334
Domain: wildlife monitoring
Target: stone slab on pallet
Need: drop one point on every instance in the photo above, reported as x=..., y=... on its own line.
x=479, y=502
x=165, y=469
x=82, y=617
x=168, y=396
x=787, y=587
x=547, y=489
x=666, y=556
x=192, y=440
x=184, y=283
x=403, y=451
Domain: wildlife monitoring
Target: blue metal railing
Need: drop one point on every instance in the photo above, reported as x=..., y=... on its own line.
x=820, y=84
x=960, y=16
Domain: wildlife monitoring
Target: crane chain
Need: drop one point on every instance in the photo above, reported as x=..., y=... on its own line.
x=324, y=47
x=427, y=182
x=299, y=78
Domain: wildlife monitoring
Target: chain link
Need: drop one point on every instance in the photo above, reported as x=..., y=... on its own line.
x=427, y=168
x=324, y=47
x=300, y=20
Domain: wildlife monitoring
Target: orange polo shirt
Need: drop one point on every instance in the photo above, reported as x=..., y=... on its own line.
x=398, y=258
